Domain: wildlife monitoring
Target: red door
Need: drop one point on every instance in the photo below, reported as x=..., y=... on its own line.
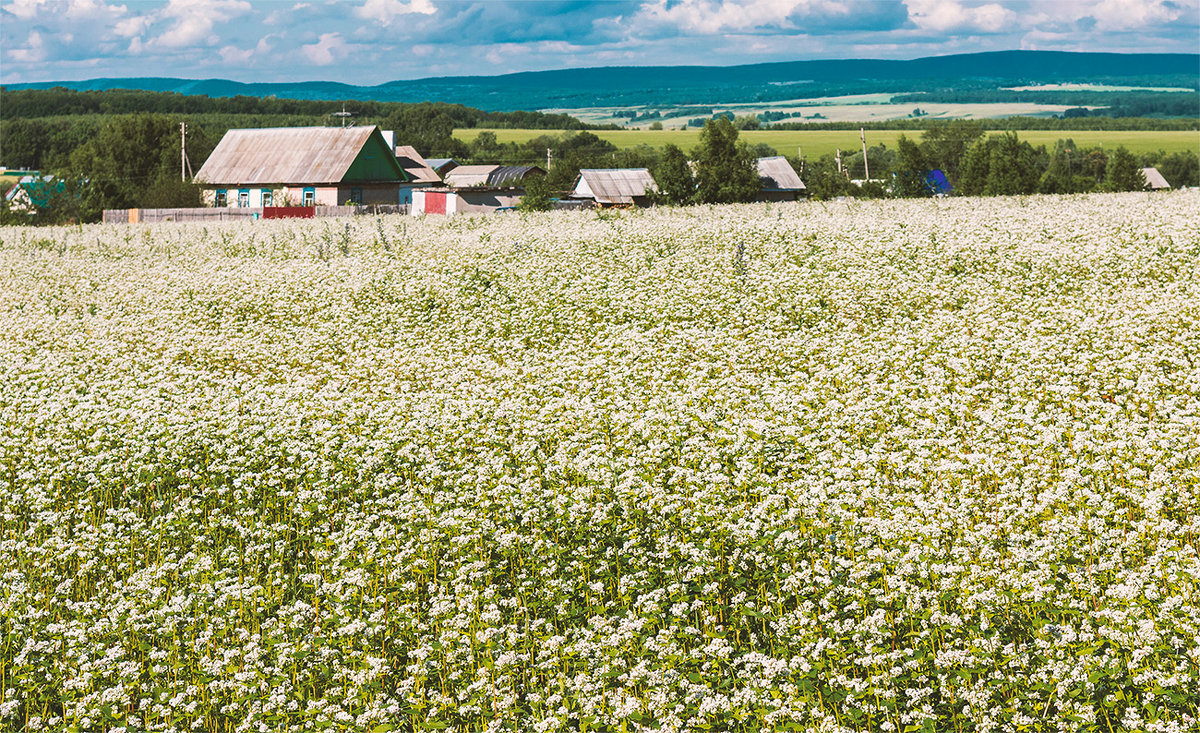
x=435, y=203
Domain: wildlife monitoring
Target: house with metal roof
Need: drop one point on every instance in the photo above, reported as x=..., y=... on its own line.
x=305, y=166
x=33, y=192
x=1155, y=180
x=615, y=186
x=779, y=180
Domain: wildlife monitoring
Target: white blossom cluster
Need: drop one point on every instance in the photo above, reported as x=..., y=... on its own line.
x=887, y=466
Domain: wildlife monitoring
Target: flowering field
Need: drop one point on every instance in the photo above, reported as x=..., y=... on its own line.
x=869, y=466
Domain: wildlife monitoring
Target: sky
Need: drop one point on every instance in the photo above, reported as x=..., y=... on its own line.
x=368, y=42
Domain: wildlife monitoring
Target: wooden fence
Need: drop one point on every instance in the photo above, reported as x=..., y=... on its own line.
x=147, y=216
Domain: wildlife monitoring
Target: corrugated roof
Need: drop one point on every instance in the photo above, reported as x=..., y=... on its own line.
x=776, y=174
x=490, y=176
x=1154, y=179
x=416, y=166
x=615, y=185
x=512, y=175
x=285, y=155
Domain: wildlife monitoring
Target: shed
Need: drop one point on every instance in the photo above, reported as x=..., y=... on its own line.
x=491, y=176
x=779, y=180
x=615, y=186
x=1155, y=180
x=325, y=166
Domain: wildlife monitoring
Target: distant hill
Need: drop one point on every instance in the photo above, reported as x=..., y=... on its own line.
x=634, y=85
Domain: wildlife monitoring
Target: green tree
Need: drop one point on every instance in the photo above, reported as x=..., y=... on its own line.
x=1123, y=172
x=673, y=174
x=538, y=194
x=1012, y=167
x=945, y=144
x=911, y=169
x=133, y=160
x=725, y=169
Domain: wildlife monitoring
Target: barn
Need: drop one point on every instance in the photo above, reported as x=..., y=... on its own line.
x=779, y=180
x=615, y=186
x=302, y=166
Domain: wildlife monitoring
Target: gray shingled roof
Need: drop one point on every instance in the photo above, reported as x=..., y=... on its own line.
x=776, y=174
x=614, y=185
x=284, y=155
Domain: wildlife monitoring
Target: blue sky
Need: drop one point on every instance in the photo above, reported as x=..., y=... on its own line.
x=373, y=41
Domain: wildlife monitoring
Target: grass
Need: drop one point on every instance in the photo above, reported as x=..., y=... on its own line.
x=822, y=142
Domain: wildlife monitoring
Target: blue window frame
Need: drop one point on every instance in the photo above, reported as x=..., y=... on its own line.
x=310, y=197
x=222, y=198
x=244, y=198
x=268, y=197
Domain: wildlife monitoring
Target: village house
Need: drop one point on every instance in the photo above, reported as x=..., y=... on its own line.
x=302, y=166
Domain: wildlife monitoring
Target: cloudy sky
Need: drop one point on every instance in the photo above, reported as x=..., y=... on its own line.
x=373, y=41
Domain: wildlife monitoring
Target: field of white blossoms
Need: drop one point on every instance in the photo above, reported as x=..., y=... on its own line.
x=874, y=466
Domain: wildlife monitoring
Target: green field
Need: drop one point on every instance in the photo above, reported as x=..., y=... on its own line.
x=822, y=142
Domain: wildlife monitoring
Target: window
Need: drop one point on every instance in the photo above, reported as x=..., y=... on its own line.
x=243, y=198
x=355, y=196
x=222, y=199
x=268, y=198
x=310, y=197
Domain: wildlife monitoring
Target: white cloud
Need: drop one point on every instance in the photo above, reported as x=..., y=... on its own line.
x=1133, y=14
x=327, y=50
x=34, y=49
x=193, y=20
x=386, y=12
x=726, y=16
x=952, y=15
x=26, y=9
x=235, y=55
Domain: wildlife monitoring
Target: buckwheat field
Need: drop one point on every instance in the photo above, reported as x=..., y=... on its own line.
x=874, y=466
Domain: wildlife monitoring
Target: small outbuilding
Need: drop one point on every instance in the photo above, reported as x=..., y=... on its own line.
x=476, y=189
x=304, y=166
x=1155, y=180
x=779, y=180
x=615, y=186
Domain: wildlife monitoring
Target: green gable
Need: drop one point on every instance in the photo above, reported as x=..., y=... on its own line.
x=375, y=162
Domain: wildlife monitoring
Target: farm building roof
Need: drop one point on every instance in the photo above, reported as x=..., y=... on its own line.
x=1154, y=179
x=416, y=166
x=441, y=165
x=490, y=176
x=614, y=185
x=776, y=174
x=301, y=155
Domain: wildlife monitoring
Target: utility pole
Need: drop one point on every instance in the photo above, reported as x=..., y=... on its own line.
x=866, y=170
x=800, y=157
x=343, y=114
x=838, y=158
x=183, y=151
x=549, y=159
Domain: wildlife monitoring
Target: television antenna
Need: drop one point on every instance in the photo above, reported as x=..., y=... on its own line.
x=343, y=114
